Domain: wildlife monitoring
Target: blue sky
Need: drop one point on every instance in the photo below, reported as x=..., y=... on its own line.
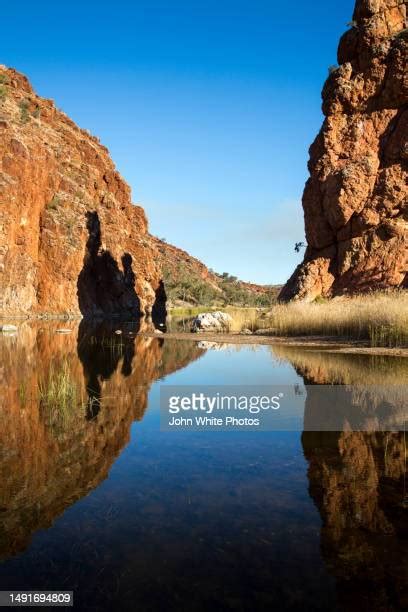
x=208, y=109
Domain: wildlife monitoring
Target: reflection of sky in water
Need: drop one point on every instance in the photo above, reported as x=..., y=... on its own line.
x=186, y=516
x=219, y=520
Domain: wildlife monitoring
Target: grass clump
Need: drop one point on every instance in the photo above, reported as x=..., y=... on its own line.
x=24, y=106
x=58, y=391
x=381, y=319
x=54, y=203
x=243, y=318
x=4, y=80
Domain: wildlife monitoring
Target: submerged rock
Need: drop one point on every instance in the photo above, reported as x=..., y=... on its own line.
x=211, y=321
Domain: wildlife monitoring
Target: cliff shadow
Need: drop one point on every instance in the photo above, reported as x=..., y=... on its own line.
x=104, y=289
x=159, y=311
x=100, y=351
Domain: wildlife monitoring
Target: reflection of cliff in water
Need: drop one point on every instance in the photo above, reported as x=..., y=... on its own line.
x=361, y=392
x=46, y=464
x=358, y=481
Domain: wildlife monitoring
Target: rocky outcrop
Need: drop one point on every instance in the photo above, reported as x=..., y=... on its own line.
x=356, y=199
x=71, y=242
x=211, y=321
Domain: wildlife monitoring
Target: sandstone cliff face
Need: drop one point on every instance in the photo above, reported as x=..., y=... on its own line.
x=356, y=200
x=71, y=242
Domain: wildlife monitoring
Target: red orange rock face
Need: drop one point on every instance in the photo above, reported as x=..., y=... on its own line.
x=52, y=174
x=356, y=200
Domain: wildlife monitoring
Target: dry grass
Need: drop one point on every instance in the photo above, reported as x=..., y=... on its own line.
x=243, y=318
x=379, y=318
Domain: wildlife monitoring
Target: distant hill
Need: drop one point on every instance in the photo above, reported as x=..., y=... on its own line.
x=188, y=281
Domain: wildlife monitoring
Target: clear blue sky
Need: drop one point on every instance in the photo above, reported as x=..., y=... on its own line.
x=208, y=109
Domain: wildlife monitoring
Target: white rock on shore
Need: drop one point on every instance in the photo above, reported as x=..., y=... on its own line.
x=212, y=322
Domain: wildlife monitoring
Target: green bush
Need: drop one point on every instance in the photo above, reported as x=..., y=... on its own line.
x=185, y=284
x=24, y=111
x=4, y=80
x=54, y=203
x=403, y=34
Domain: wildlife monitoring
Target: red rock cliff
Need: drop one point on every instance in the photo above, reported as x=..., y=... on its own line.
x=356, y=199
x=70, y=239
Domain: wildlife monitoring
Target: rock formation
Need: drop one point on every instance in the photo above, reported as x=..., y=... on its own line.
x=356, y=199
x=71, y=242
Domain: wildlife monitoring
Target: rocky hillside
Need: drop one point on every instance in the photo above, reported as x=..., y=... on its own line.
x=188, y=280
x=71, y=242
x=356, y=200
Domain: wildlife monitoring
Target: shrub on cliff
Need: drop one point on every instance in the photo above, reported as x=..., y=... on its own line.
x=24, y=111
x=4, y=80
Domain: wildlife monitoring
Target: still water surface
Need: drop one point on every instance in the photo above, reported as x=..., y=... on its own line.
x=98, y=500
